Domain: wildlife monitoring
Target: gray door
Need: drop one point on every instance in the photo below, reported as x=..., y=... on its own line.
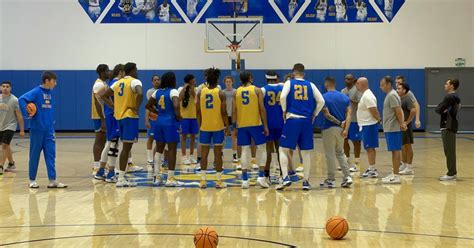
x=434, y=85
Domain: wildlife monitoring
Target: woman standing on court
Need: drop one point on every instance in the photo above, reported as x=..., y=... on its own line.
x=189, y=124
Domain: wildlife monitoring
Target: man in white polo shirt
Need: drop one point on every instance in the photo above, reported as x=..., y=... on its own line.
x=369, y=119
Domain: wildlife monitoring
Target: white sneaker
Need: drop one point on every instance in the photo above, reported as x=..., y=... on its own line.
x=262, y=182
x=447, y=178
x=150, y=166
x=353, y=168
x=407, y=171
x=403, y=166
x=157, y=180
x=123, y=182
x=245, y=184
x=255, y=165
x=186, y=161
x=339, y=167
x=300, y=168
x=172, y=182
x=34, y=185
x=346, y=182
x=238, y=166
x=391, y=179
x=133, y=168
x=192, y=160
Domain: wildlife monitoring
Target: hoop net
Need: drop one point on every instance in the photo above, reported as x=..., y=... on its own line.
x=234, y=52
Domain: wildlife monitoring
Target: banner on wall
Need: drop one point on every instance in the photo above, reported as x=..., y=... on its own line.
x=389, y=7
x=94, y=8
x=192, y=10
x=290, y=10
x=340, y=11
x=246, y=8
x=143, y=11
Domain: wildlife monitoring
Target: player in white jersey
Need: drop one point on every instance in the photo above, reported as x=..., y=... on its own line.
x=388, y=8
x=292, y=6
x=341, y=10
x=321, y=10
x=164, y=12
x=147, y=7
x=191, y=8
x=94, y=8
x=361, y=7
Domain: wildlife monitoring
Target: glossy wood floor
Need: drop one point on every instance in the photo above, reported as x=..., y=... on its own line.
x=422, y=212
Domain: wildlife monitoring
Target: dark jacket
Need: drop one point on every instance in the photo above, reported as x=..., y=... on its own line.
x=448, y=109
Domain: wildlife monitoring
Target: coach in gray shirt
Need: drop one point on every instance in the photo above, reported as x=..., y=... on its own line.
x=393, y=124
x=10, y=116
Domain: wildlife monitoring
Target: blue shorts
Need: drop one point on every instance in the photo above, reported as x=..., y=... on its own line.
x=128, y=129
x=354, y=132
x=274, y=134
x=370, y=136
x=167, y=133
x=297, y=131
x=394, y=141
x=113, y=130
x=245, y=135
x=189, y=126
x=97, y=124
x=215, y=138
x=151, y=131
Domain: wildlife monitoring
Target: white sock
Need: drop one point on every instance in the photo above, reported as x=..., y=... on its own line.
x=105, y=151
x=120, y=174
x=96, y=165
x=130, y=160
x=357, y=160
x=170, y=174
x=149, y=155
x=203, y=174
x=219, y=176
x=306, y=163
x=372, y=167
x=245, y=157
x=284, y=152
x=158, y=157
x=262, y=156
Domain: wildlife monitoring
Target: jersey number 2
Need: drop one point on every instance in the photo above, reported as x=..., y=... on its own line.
x=301, y=92
x=209, y=100
x=121, y=86
x=161, y=102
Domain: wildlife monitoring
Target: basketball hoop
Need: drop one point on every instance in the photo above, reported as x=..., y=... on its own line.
x=234, y=54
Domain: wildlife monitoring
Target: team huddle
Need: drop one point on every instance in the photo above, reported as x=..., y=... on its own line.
x=266, y=125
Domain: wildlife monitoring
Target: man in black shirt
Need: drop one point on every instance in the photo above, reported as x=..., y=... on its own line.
x=448, y=109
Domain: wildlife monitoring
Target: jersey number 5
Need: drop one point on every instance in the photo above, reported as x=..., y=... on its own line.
x=274, y=98
x=209, y=100
x=301, y=92
x=245, y=97
x=121, y=86
x=161, y=102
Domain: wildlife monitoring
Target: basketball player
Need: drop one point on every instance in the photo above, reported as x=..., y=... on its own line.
x=94, y=8
x=409, y=113
x=393, y=124
x=126, y=6
x=150, y=122
x=191, y=8
x=147, y=7
x=368, y=118
x=128, y=95
x=42, y=137
x=292, y=7
x=388, y=8
x=164, y=12
x=271, y=100
x=354, y=134
x=341, y=10
x=189, y=124
x=98, y=112
x=321, y=8
x=229, y=92
x=165, y=103
x=212, y=118
x=251, y=120
x=361, y=7
x=111, y=149
x=337, y=112
x=10, y=118
x=301, y=102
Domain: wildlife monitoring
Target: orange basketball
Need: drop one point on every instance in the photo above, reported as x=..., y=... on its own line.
x=337, y=227
x=206, y=237
x=153, y=116
x=31, y=109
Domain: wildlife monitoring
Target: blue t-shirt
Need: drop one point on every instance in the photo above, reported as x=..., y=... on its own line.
x=272, y=104
x=43, y=99
x=337, y=104
x=300, y=100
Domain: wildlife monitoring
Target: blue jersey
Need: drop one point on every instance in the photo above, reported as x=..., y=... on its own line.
x=43, y=99
x=107, y=109
x=272, y=104
x=164, y=105
x=337, y=104
x=300, y=100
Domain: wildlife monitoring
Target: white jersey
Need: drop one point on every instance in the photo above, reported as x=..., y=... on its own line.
x=340, y=10
x=361, y=10
x=388, y=7
x=191, y=8
x=292, y=6
x=321, y=9
x=94, y=3
x=164, y=13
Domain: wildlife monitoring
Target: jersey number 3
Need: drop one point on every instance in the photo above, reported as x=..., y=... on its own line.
x=161, y=102
x=301, y=92
x=121, y=86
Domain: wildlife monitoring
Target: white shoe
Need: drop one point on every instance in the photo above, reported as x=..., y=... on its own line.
x=255, y=166
x=339, y=167
x=34, y=185
x=150, y=166
x=353, y=168
x=133, y=168
x=346, y=182
x=157, y=180
x=447, y=178
x=403, y=166
x=262, y=182
x=56, y=185
x=245, y=184
x=171, y=182
x=186, y=161
x=192, y=160
x=122, y=182
x=407, y=171
x=238, y=166
x=391, y=179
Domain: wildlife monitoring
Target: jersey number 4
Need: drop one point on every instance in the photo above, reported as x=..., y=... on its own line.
x=274, y=98
x=161, y=102
x=209, y=102
x=301, y=92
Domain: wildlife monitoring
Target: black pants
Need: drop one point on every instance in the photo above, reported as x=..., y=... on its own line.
x=449, y=145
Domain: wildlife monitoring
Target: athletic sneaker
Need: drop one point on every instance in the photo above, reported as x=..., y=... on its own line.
x=203, y=184
x=339, y=167
x=407, y=171
x=328, y=183
x=391, y=179
x=100, y=175
x=262, y=182
x=274, y=180
x=1, y=170
x=186, y=161
x=172, y=182
x=234, y=158
x=300, y=168
x=150, y=166
x=245, y=184
x=403, y=166
x=238, y=166
x=220, y=184
x=254, y=164
x=56, y=185
x=198, y=167
x=192, y=160
x=447, y=178
x=11, y=167
x=353, y=168
x=372, y=173
x=133, y=168
x=285, y=183
x=123, y=182
x=306, y=185
x=293, y=176
x=346, y=182
x=157, y=180
x=111, y=178
x=164, y=163
x=34, y=185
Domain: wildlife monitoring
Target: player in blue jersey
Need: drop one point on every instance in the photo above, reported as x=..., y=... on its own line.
x=165, y=103
x=271, y=100
x=301, y=102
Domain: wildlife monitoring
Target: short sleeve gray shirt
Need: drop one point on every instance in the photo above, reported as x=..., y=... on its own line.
x=407, y=105
x=8, y=106
x=354, y=95
x=390, y=122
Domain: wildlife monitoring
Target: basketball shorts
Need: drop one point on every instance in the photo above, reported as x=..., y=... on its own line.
x=6, y=136
x=394, y=141
x=150, y=132
x=215, y=138
x=97, y=124
x=297, y=132
x=189, y=126
x=274, y=134
x=167, y=133
x=370, y=136
x=128, y=128
x=354, y=132
x=113, y=130
x=407, y=136
x=245, y=135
